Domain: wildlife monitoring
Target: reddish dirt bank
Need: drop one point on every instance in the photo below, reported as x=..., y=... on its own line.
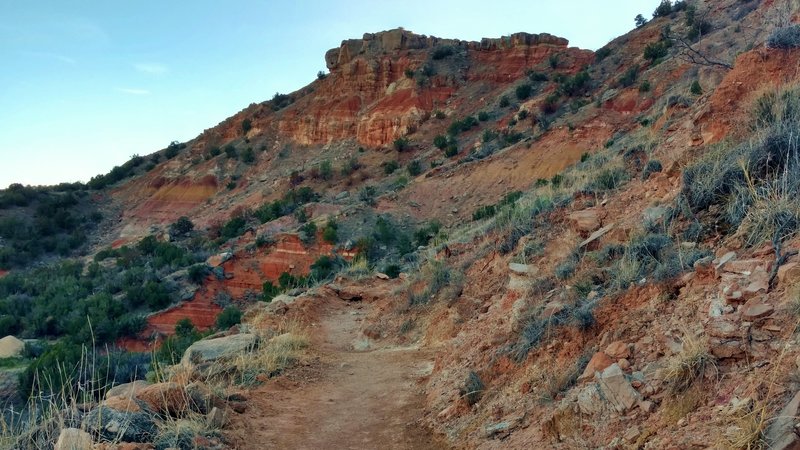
x=344, y=399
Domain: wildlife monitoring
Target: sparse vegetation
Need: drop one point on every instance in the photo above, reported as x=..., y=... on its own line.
x=785, y=38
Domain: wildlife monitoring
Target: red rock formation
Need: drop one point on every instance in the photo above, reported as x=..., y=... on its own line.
x=245, y=275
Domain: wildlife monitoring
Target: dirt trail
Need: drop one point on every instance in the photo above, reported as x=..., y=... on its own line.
x=347, y=399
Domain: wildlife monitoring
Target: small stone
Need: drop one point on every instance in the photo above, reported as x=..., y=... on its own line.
x=646, y=406
x=217, y=418
x=631, y=434
x=73, y=439
x=719, y=264
x=381, y=276
x=624, y=364
x=756, y=310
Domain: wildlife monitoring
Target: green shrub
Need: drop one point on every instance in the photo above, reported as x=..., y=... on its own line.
x=461, y=126
x=198, y=273
x=229, y=317
x=784, y=38
x=656, y=50
x=392, y=270
x=401, y=144
x=576, y=85
x=248, y=156
x=523, y=91
x=602, y=53
x=610, y=179
x=329, y=233
x=644, y=86
x=504, y=102
x=696, y=89
x=640, y=21
x=368, y=194
x=350, y=166
x=409, y=73
x=440, y=142
x=483, y=116
x=565, y=270
x=233, y=228
x=414, y=167
x=653, y=166
x=247, y=125
x=473, y=388
x=663, y=9
x=308, y=233
x=442, y=52
x=280, y=101
x=390, y=167
x=630, y=76
x=451, y=150
x=325, y=267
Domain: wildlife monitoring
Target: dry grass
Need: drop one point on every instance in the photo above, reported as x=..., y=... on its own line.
x=747, y=429
x=358, y=268
x=676, y=407
x=279, y=349
x=689, y=365
x=181, y=433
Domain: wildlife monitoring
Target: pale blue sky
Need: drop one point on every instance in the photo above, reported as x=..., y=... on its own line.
x=85, y=84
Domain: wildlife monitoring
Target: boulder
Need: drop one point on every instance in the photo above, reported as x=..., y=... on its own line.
x=522, y=269
x=616, y=389
x=164, y=398
x=618, y=350
x=590, y=401
x=11, y=347
x=114, y=425
x=587, y=220
x=209, y=350
x=73, y=439
x=780, y=434
x=789, y=273
x=219, y=259
x=599, y=362
x=126, y=389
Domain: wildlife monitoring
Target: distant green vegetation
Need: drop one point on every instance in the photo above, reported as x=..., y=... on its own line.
x=38, y=222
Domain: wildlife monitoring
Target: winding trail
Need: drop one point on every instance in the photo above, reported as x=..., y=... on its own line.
x=346, y=399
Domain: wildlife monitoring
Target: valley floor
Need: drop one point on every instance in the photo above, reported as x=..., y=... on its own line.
x=351, y=396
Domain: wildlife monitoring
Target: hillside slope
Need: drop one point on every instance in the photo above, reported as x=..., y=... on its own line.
x=591, y=249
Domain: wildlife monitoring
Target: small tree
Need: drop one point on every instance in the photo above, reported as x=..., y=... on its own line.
x=247, y=125
x=229, y=317
x=640, y=21
x=664, y=9
x=181, y=226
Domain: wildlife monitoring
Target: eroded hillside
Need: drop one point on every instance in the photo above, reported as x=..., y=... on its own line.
x=563, y=248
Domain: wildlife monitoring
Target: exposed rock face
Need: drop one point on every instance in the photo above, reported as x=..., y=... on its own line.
x=369, y=97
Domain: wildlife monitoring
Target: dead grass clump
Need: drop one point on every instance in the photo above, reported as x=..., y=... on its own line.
x=676, y=407
x=278, y=350
x=689, y=365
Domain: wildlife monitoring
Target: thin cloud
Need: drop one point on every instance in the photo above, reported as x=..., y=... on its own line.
x=53, y=56
x=151, y=68
x=134, y=91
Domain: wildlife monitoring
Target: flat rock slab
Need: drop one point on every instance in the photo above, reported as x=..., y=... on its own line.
x=214, y=349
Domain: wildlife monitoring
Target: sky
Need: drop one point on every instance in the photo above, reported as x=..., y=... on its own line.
x=86, y=84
